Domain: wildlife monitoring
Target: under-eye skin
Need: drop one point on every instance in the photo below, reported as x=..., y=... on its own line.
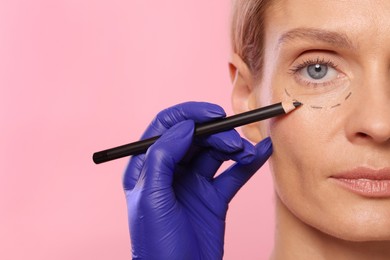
x=316, y=73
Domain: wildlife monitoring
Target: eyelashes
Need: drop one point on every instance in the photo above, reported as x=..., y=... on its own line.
x=318, y=60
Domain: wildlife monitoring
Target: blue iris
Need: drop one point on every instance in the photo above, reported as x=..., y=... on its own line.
x=317, y=71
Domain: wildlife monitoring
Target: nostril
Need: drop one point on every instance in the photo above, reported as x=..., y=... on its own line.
x=362, y=135
x=376, y=137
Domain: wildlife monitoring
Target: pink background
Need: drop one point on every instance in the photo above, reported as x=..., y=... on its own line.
x=81, y=76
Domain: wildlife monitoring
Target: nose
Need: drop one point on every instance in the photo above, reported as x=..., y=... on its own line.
x=370, y=118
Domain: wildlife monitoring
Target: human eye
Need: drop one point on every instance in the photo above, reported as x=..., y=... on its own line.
x=316, y=72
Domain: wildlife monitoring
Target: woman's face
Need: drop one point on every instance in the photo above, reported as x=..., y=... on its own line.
x=331, y=162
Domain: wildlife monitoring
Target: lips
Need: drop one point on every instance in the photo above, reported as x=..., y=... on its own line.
x=367, y=182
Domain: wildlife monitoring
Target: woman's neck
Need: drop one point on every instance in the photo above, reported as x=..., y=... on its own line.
x=295, y=239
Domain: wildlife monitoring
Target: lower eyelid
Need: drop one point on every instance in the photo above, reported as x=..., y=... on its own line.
x=306, y=87
x=339, y=80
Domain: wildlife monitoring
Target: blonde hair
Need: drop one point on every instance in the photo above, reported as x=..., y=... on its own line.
x=247, y=32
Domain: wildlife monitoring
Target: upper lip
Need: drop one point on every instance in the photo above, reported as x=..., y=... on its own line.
x=364, y=173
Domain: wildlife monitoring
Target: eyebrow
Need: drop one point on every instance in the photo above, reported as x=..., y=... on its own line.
x=338, y=39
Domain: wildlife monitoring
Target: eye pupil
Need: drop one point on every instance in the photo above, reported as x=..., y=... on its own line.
x=317, y=71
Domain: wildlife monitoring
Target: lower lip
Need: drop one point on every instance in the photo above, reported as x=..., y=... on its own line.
x=366, y=187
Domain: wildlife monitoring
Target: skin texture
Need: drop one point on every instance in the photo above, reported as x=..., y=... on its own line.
x=316, y=217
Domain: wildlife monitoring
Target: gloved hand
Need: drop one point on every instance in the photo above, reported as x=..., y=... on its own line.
x=176, y=207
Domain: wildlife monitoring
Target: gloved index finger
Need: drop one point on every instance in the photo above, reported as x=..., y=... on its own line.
x=199, y=112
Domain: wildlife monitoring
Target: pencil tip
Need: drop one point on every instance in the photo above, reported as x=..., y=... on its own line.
x=297, y=104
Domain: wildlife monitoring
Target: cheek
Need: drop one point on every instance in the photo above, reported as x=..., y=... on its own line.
x=303, y=142
x=296, y=151
x=306, y=139
x=300, y=162
x=301, y=139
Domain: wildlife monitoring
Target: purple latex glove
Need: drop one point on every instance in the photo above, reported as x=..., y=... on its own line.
x=176, y=207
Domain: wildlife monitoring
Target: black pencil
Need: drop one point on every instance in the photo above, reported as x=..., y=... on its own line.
x=213, y=127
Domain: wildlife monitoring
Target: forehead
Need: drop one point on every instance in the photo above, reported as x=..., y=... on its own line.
x=354, y=19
